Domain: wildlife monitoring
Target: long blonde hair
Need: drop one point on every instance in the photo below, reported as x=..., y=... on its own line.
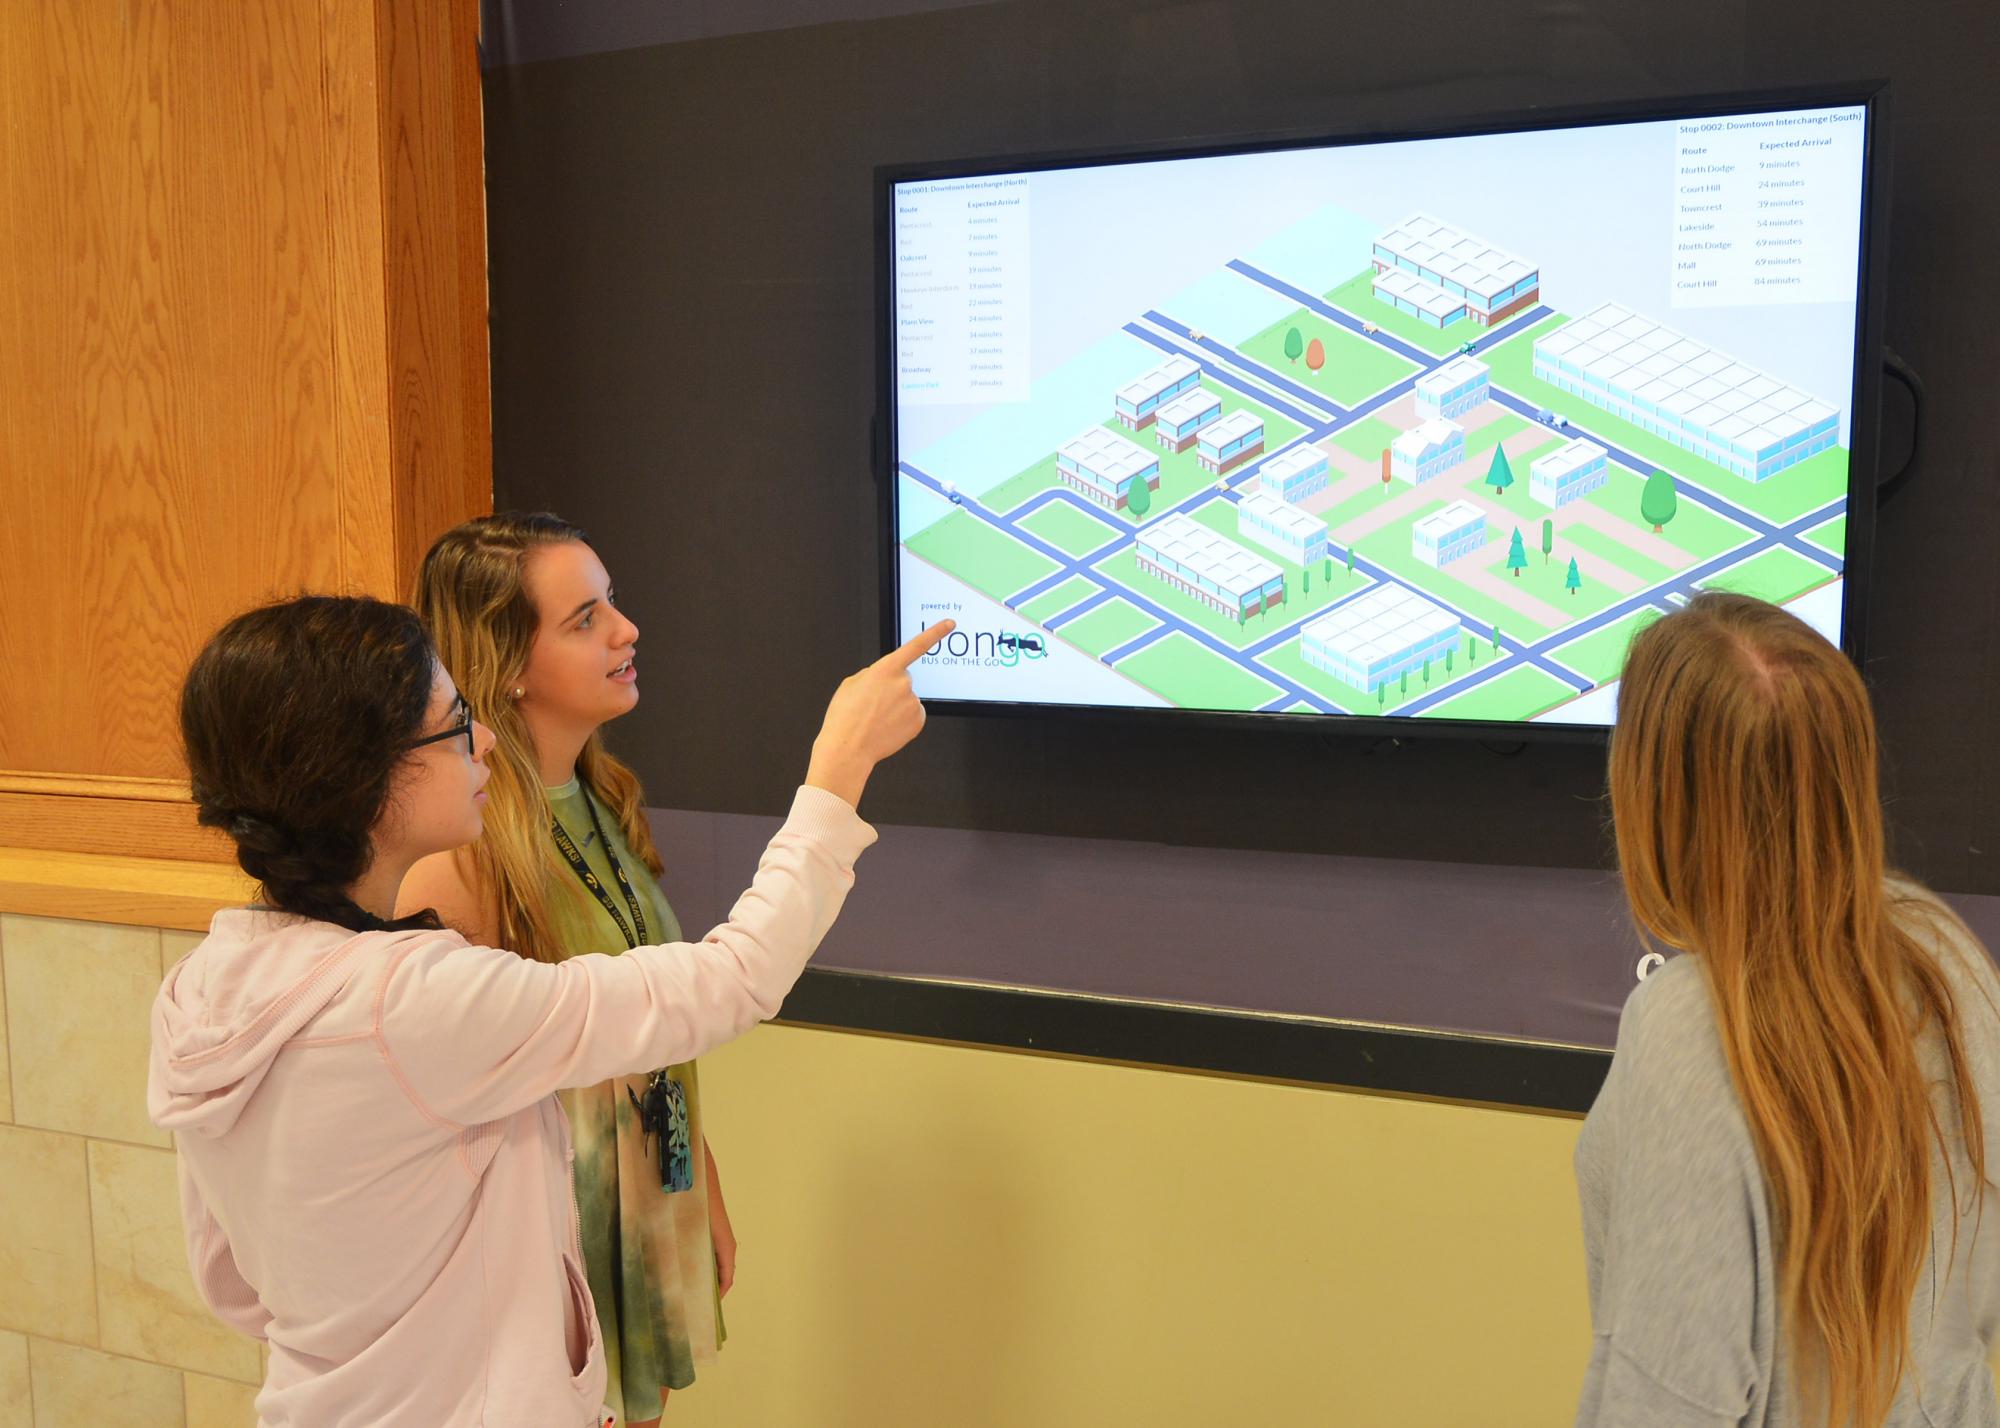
x=1749, y=825
x=472, y=597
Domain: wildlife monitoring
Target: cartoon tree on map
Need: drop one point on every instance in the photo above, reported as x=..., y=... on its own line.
x=1499, y=475
x=1350, y=562
x=1406, y=682
x=1140, y=500
x=1382, y=694
x=1658, y=502
x=1295, y=343
x=1573, y=582
x=1385, y=468
x=1517, y=554
x=1427, y=669
x=1327, y=573
x=1471, y=651
x=1496, y=629
x=1306, y=571
x=1315, y=355
x=1447, y=659
x=1548, y=538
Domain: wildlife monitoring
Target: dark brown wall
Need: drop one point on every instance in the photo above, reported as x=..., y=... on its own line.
x=681, y=250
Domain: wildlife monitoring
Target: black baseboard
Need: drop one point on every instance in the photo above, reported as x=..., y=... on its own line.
x=1382, y=1060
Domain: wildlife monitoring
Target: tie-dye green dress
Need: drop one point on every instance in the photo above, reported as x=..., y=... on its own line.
x=647, y=1251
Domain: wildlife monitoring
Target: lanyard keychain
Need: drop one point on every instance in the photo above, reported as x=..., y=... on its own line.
x=663, y=1111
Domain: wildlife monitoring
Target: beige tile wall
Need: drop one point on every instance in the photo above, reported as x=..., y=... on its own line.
x=99, y=1319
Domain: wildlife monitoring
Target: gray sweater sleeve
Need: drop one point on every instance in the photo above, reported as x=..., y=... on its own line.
x=1675, y=1223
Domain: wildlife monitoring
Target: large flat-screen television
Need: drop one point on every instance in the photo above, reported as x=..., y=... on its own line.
x=1414, y=429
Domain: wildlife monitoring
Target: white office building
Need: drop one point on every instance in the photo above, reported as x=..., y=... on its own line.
x=1574, y=469
x=1454, y=389
x=1228, y=443
x=1440, y=274
x=1685, y=392
x=1443, y=536
x=1372, y=639
x=1279, y=526
x=1296, y=473
x=1102, y=465
x=1418, y=455
x=1210, y=567
x=1181, y=420
x=1138, y=401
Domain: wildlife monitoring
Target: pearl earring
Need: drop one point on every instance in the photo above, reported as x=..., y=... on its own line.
x=517, y=691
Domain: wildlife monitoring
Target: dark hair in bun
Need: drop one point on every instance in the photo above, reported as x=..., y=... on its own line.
x=294, y=718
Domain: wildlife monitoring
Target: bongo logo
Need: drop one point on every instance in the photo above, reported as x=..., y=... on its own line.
x=993, y=649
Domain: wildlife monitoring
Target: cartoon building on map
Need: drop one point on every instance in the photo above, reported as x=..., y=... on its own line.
x=1208, y=566
x=1136, y=403
x=1436, y=446
x=1453, y=389
x=1378, y=635
x=1184, y=416
x=1685, y=392
x=1102, y=465
x=1296, y=473
x=1297, y=535
x=1440, y=275
x=1443, y=536
x=1228, y=443
x=1574, y=469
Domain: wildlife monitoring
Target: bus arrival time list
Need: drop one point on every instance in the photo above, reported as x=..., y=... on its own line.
x=961, y=281
x=1766, y=209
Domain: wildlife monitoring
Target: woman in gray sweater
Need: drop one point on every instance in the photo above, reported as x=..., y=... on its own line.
x=1784, y=1176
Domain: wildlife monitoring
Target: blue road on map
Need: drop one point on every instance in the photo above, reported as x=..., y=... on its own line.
x=1683, y=584
x=1071, y=567
x=1244, y=375
x=1267, y=375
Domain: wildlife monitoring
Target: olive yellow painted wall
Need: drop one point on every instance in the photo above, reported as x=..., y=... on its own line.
x=938, y=1235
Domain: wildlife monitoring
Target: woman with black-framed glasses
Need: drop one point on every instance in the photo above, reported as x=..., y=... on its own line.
x=374, y=1172
x=459, y=725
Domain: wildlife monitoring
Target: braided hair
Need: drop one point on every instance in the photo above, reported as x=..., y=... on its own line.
x=294, y=718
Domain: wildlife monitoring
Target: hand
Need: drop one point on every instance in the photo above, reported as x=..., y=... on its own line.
x=725, y=1241
x=720, y=1233
x=873, y=714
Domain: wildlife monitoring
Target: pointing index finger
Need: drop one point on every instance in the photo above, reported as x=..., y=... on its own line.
x=909, y=653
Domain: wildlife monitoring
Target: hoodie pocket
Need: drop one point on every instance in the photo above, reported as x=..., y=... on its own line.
x=581, y=1337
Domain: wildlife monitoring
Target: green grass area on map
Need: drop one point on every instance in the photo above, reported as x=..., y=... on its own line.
x=1518, y=694
x=1600, y=655
x=1355, y=368
x=1107, y=627
x=1775, y=575
x=1070, y=592
x=1068, y=529
x=1192, y=677
x=983, y=557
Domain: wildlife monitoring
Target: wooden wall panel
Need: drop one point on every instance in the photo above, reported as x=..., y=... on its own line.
x=360, y=334
x=166, y=446
x=242, y=280
x=429, y=59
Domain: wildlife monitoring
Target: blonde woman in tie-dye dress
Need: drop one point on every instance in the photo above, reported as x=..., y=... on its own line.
x=525, y=620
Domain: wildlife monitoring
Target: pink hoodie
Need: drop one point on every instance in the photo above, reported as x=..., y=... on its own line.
x=374, y=1170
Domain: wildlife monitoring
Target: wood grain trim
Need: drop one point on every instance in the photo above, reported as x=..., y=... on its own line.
x=434, y=226
x=359, y=344
x=141, y=892
x=131, y=827
x=153, y=790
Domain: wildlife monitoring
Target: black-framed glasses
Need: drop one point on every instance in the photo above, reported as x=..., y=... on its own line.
x=461, y=726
